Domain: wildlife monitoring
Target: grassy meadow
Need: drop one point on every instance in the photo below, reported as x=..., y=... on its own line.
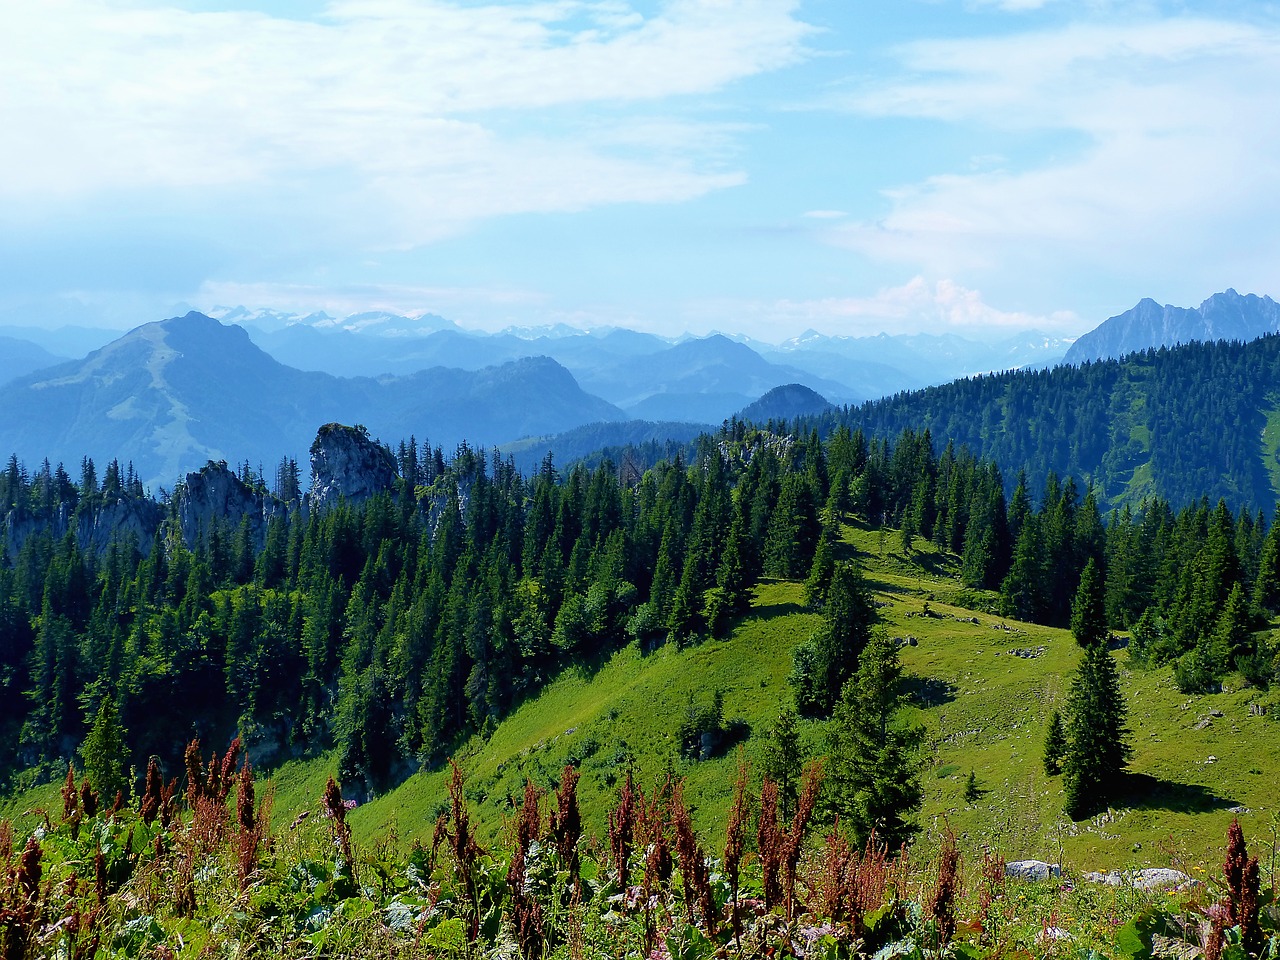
x=983, y=686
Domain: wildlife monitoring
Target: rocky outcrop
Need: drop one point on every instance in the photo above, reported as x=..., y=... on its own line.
x=346, y=464
x=95, y=525
x=216, y=495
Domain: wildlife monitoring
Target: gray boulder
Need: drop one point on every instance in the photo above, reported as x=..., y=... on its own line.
x=1031, y=870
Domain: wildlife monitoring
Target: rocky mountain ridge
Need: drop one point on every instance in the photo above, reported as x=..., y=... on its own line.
x=347, y=465
x=1223, y=316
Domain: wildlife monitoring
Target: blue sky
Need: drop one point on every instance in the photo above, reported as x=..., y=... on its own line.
x=753, y=166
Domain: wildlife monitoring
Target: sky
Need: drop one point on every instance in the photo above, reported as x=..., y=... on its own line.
x=760, y=167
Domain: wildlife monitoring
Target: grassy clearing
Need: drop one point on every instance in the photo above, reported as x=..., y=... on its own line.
x=1271, y=440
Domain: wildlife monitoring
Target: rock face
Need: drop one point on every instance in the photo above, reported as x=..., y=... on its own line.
x=346, y=464
x=95, y=527
x=216, y=495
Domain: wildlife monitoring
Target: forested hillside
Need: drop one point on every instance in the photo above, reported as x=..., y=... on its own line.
x=393, y=628
x=1178, y=423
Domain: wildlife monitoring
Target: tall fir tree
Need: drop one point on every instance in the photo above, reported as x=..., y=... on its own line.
x=1088, y=609
x=873, y=770
x=105, y=753
x=1097, y=737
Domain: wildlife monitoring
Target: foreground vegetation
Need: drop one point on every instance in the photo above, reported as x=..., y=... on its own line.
x=203, y=874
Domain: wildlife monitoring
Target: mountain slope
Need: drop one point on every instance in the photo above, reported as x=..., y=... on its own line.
x=1201, y=419
x=1224, y=316
x=19, y=357
x=173, y=394
x=884, y=364
x=785, y=403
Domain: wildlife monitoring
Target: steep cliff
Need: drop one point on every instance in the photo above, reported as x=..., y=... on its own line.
x=346, y=464
x=216, y=494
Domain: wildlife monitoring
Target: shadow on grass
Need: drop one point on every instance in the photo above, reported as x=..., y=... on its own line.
x=1142, y=791
x=937, y=564
x=927, y=691
x=767, y=611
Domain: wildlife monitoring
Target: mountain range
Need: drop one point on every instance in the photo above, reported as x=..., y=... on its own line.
x=1224, y=316
x=172, y=394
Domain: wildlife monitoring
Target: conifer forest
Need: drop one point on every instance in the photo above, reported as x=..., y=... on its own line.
x=391, y=631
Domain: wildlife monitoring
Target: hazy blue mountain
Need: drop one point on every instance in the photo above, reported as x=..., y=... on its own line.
x=344, y=353
x=18, y=356
x=63, y=342
x=699, y=380
x=373, y=321
x=885, y=363
x=703, y=380
x=1224, y=316
x=174, y=394
x=594, y=440
x=785, y=403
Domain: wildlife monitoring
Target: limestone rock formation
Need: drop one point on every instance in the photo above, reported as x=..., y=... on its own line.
x=216, y=494
x=346, y=464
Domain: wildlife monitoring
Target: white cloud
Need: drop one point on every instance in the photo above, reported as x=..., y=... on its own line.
x=916, y=306
x=1012, y=6
x=422, y=110
x=1164, y=137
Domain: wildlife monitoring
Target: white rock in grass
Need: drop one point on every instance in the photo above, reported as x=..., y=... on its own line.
x=1031, y=870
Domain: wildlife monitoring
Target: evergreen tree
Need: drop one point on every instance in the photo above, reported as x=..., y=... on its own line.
x=1097, y=738
x=1266, y=585
x=873, y=772
x=104, y=752
x=1088, y=609
x=781, y=759
x=830, y=656
x=820, y=572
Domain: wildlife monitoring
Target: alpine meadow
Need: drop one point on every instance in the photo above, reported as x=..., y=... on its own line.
x=639, y=480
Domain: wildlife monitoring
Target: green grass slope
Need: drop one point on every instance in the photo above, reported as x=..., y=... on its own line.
x=984, y=688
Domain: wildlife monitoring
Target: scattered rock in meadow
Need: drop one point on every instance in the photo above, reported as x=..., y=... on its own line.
x=1150, y=878
x=1031, y=870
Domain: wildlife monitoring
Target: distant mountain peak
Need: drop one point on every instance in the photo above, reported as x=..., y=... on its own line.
x=786, y=402
x=1228, y=315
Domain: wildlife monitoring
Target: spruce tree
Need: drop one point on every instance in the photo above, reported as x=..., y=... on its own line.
x=820, y=572
x=1055, y=745
x=1088, y=609
x=873, y=772
x=105, y=753
x=1097, y=748
x=781, y=760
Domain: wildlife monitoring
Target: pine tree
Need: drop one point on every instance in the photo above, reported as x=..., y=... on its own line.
x=781, y=760
x=873, y=772
x=104, y=752
x=1088, y=609
x=1097, y=748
